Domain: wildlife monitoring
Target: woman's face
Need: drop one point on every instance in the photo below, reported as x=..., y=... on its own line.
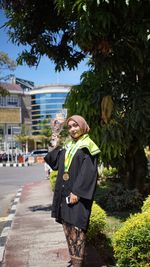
x=74, y=129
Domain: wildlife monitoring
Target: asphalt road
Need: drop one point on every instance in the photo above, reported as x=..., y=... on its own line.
x=13, y=178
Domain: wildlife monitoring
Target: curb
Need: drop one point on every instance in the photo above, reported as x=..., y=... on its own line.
x=7, y=227
x=15, y=164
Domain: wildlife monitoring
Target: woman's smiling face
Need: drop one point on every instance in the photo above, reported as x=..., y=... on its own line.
x=74, y=129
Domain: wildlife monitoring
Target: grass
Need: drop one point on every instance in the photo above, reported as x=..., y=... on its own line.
x=113, y=224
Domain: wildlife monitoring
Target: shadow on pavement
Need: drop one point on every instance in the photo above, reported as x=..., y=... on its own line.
x=40, y=208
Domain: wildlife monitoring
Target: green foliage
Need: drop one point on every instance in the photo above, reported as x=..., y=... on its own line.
x=69, y=30
x=109, y=171
x=3, y=91
x=146, y=205
x=114, y=197
x=45, y=128
x=113, y=143
x=52, y=35
x=52, y=179
x=24, y=136
x=89, y=107
x=97, y=223
x=96, y=234
x=6, y=62
x=132, y=242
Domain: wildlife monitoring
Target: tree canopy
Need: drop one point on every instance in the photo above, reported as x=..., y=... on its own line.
x=68, y=31
x=115, y=37
x=6, y=63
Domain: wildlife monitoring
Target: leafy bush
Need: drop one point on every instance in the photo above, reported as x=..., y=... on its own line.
x=116, y=198
x=132, y=242
x=110, y=171
x=97, y=223
x=146, y=205
x=52, y=179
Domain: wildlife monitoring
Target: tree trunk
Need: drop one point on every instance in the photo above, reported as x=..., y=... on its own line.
x=135, y=168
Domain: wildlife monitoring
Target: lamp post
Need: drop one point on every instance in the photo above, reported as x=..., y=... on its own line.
x=11, y=143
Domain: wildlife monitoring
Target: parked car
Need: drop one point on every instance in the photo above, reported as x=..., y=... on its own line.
x=39, y=152
x=4, y=157
x=36, y=153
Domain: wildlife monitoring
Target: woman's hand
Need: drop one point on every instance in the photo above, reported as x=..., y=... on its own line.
x=73, y=198
x=55, y=140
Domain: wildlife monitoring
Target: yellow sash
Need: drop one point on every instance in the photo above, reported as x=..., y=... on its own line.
x=72, y=147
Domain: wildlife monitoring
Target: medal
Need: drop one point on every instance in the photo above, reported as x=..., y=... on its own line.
x=66, y=176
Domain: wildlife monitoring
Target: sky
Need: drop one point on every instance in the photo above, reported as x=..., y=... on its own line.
x=45, y=73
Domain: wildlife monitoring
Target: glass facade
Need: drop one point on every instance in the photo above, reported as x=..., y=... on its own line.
x=46, y=103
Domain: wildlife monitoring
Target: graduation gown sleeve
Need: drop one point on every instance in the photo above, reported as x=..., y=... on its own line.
x=52, y=158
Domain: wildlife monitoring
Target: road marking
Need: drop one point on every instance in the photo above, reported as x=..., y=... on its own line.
x=3, y=219
x=10, y=217
x=5, y=232
x=8, y=221
x=13, y=207
x=1, y=253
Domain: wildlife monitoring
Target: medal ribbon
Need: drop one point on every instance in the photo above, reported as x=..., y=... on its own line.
x=73, y=146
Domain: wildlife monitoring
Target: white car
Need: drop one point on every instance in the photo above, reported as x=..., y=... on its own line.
x=36, y=153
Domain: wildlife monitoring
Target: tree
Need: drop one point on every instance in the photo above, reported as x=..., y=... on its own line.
x=23, y=137
x=51, y=35
x=114, y=35
x=5, y=64
x=45, y=132
x=45, y=128
x=124, y=136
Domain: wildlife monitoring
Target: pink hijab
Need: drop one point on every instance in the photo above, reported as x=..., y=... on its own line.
x=81, y=122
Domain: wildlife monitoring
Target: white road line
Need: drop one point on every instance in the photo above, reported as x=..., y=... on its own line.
x=5, y=231
x=1, y=253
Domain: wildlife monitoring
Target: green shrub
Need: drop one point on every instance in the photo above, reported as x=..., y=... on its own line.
x=146, y=205
x=132, y=242
x=117, y=198
x=97, y=223
x=110, y=171
x=52, y=179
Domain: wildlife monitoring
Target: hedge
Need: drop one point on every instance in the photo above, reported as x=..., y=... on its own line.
x=132, y=242
x=52, y=179
x=146, y=205
x=97, y=223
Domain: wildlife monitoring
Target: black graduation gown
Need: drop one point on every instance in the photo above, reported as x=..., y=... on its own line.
x=82, y=182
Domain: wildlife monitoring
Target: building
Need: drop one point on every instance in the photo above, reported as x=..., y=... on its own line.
x=15, y=110
x=47, y=103
x=30, y=106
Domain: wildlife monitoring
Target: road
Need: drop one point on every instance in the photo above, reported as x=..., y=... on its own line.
x=13, y=178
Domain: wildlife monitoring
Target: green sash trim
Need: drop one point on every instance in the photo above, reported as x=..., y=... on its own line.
x=72, y=147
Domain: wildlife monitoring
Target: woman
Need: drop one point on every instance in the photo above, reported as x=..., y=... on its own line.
x=75, y=185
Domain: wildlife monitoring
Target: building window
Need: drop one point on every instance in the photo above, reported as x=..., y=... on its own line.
x=9, y=130
x=2, y=101
x=13, y=100
x=1, y=130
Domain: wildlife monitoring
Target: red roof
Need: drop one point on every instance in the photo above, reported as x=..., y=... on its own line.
x=12, y=87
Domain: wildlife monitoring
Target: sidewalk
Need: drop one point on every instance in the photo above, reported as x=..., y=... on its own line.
x=35, y=239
